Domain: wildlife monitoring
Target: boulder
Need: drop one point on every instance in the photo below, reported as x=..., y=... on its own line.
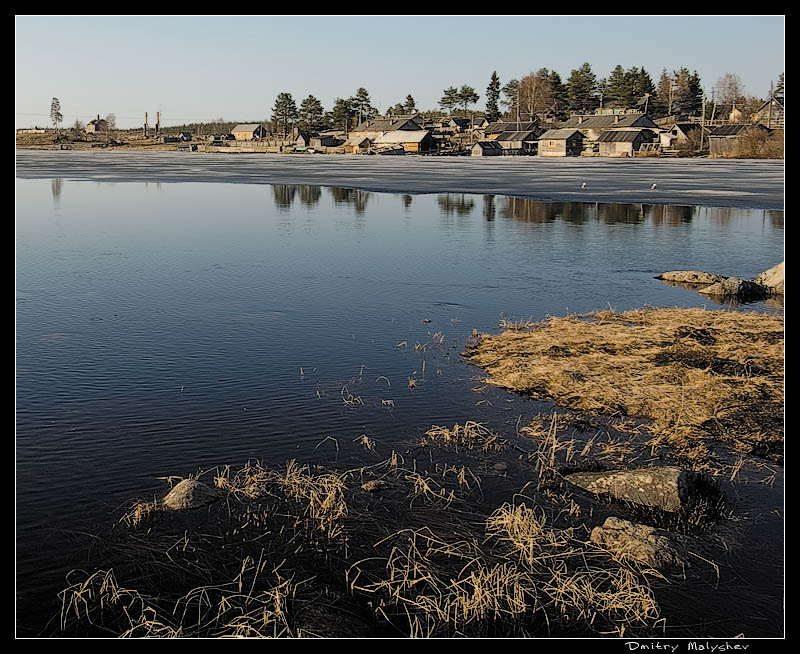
x=668, y=488
x=696, y=277
x=190, y=494
x=772, y=279
x=736, y=287
x=653, y=547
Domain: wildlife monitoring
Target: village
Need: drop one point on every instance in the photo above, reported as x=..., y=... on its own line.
x=608, y=131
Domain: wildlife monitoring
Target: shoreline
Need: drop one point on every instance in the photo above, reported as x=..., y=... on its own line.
x=681, y=182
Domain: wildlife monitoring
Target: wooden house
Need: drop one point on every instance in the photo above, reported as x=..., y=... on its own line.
x=97, y=126
x=418, y=140
x=326, y=141
x=770, y=114
x=561, y=143
x=727, y=139
x=486, y=149
x=592, y=126
x=380, y=126
x=248, y=132
x=357, y=144
x=623, y=142
x=679, y=133
x=493, y=130
x=521, y=142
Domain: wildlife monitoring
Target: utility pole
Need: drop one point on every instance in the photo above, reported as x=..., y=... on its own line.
x=703, y=122
x=158, y=122
x=145, y=124
x=769, y=109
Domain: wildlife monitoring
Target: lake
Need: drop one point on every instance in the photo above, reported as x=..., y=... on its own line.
x=163, y=328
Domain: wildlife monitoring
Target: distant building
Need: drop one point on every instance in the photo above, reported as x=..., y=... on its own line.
x=185, y=136
x=592, y=126
x=519, y=142
x=493, y=130
x=727, y=139
x=326, y=141
x=357, y=144
x=380, y=126
x=561, y=143
x=623, y=142
x=248, y=132
x=770, y=114
x=97, y=126
x=486, y=149
x=418, y=140
x=680, y=133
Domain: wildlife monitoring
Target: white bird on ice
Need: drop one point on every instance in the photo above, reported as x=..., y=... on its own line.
x=653, y=186
x=583, y=185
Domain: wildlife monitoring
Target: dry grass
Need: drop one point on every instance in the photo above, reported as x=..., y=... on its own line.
x=696, y=375
x=471, y=436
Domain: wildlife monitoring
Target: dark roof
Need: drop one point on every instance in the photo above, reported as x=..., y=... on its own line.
x=526, y=135
x=619, y=136
x=386, y=125
x=489, y=145
x=502, y=126
x=607, y=121
x=558, y=134
x=733, y=130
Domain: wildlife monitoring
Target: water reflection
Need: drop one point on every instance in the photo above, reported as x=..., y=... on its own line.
x=407, y=199
x=670, y=215
x=489, y=210
x=56, y=184
x=460, y=204
x=355, y=198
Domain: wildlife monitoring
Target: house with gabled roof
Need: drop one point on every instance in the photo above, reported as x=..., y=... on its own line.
x=486, y=149
x=248, y=132
x=593, y=126
x=378, y=126
x=418, y=140
x=727, y=139
x=622, y=142
x=560, y=143
x=770, y=114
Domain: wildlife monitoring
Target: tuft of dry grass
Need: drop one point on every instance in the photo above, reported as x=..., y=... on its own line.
x=471, y=435
x=696, y=375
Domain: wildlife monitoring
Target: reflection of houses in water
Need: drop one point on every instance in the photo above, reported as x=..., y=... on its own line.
x=620, y=214
x=357, y=199
x=666, y=214
x=775, y=217
x=407, y=199
x=456, y=203
x=535, y=211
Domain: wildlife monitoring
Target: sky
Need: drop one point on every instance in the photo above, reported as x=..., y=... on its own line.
x=201, y=68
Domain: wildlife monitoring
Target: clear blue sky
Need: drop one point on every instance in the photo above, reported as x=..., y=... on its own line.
x=198, y=68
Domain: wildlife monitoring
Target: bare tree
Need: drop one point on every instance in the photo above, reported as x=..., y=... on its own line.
x=729, y=89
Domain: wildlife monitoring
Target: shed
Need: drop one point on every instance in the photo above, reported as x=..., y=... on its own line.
x=248, y=132
x=492, y=130
x=325, y=141
x=622, y=142
x=770, y=114
x=357, y=144
x=486, y=149
x=561, y=143
x=412, y=140
x=727, y=139
x=519, y=142
x=96, y=126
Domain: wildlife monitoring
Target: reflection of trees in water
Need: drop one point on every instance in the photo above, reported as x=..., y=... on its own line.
x=721, y=215
x=531, y=211
x=407, y=199
x=665, y=214
x=357, y=199
x=56, y=184
x=775, y=218
x=617, y=214
x=456, y=203
x=489, y=210
x=283, y=195
x=310, y=195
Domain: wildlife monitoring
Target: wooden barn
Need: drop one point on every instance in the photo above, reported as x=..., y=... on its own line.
x=523, y=142
x=418, y=140
x=770, y=114
x=561, y=143
x=486, y=149
x=593, y=126
x=623, y=142
x=493, y=130
x=358, y=144
x=248, y=132
x=726, y=140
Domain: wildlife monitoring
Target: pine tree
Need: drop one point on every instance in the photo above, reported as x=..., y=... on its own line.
x=582, y=88
x=492, y=98
x=55, y=114
x=410, y=106
x=617, y=86
x=466, y=97
x=511, y=91
x=342, y=116
x=450, y=99
x=310, y=115
x=362, y=105
x=559, y=92
x=284, y=113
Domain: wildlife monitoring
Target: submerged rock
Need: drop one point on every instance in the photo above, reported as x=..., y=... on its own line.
x=190, y=494
x=653, y=547
x=668, y=488
x=772, y=279
x=696, y=277
x=736, y=287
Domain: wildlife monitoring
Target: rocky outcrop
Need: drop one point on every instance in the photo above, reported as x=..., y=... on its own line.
x=772, y=279
x=652, y=547
x=736, y=287
x=190, y=494
x=695, y=277
x=668, y=488
x=768, y=283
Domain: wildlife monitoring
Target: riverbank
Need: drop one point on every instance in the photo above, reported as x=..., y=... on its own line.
x=464, y=532
x=757, y=184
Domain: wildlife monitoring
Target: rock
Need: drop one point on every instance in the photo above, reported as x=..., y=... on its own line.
x=668, y=488
x=375, y=485
x=736, y=287
x=653, y=547
x=691, y=277
x=190, y=494
x=772, y=279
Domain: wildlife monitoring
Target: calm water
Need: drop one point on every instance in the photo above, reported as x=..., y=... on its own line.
x=165, y=328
